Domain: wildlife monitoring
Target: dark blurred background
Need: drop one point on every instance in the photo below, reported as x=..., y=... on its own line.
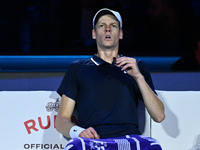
x=63, y=27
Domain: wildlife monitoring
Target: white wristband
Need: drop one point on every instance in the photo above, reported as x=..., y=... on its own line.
x=75, y=131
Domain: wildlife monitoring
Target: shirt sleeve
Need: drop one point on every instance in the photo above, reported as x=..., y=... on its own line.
x=146, y=73
x=69, y=85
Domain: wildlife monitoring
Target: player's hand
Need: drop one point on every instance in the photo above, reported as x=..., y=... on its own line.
x=89, y=133
x=129, y=65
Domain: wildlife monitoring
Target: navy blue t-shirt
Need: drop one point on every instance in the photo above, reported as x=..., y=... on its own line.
x=106, y=97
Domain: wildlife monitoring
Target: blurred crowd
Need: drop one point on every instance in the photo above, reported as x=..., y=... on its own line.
x=63, y=27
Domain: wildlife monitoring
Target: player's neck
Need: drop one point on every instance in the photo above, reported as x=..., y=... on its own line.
x=108, y=55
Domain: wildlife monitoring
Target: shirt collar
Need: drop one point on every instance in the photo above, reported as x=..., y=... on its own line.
x=98, y=61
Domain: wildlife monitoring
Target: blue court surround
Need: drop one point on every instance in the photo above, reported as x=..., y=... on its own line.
x=29, y=73
x=60, y=63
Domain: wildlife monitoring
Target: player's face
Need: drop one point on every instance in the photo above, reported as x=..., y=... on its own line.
x=107, y=32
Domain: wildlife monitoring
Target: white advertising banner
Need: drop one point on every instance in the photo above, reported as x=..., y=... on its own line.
x=28, y=121
x=181, y=128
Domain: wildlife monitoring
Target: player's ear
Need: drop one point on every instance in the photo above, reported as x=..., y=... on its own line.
x=121, y=34
x=93, y=34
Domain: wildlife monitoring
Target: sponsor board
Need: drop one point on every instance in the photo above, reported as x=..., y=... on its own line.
x=29, y=121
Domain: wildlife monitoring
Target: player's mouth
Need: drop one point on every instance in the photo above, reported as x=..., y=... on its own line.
x=108, y=37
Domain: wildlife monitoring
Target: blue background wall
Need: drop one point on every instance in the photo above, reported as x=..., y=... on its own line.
x=26, y=73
